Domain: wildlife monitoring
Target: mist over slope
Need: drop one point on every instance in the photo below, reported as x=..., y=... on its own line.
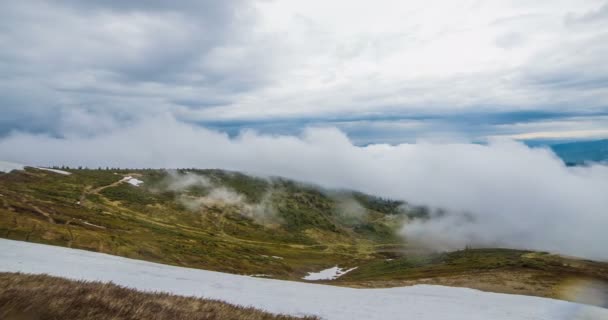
x=500, y=194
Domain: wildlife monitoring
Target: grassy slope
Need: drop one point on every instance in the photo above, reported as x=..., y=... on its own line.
x=498, y=270
x=43, y=297
x=143, y=223
x=306, y=232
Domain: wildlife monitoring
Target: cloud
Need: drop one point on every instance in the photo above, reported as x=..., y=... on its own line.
x=123, y=83
x=349, y=207
x=425, y=56
x=121, y=59
x=594, y=17
x=177, y=181
x=248, y=61
x=509, y=195
x=217, y=195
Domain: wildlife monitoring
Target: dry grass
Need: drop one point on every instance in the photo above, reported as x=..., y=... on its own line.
x=41, y=297
x=538, y=283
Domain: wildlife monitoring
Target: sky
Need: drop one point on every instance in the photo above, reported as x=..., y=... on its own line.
x=387, y=97
x=381, y=71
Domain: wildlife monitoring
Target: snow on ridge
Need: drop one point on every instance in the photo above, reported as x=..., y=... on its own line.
x=328, y=274
x=65, y=173
x=10, y=166
x=423, y=302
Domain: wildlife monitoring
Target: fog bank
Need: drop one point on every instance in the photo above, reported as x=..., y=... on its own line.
x=500, y=194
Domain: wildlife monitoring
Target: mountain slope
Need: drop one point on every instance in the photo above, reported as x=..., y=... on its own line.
x=231, y=222
x=286, y=297
x=226, y=221
x=582, y=151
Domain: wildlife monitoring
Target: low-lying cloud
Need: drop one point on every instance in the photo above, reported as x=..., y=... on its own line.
x=177, y=181
x=217, y=195
x=500, y=194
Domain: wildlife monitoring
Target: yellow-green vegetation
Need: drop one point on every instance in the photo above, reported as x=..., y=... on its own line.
x=301, y=229
x=43, y=297
x=231, y=222
x=498, y=270
x=474, y=261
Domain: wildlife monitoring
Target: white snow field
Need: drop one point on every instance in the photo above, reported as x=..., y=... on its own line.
x=295, y=298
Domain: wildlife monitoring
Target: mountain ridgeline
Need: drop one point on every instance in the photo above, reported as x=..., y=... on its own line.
x=581, y=152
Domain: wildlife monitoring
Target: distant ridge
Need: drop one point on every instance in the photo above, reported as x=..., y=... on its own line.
x=580, y=152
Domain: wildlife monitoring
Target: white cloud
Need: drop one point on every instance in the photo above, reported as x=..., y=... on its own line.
x=572, y=128
x=431, y=56
x=239, y=60
x=109, y=78
x=577, y=134
x=516, y=196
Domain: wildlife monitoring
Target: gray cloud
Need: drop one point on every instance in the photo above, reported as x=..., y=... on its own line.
x=247, y=61
x=125, y=57
x=93, y=82
x=594, y=17
x=510, y=195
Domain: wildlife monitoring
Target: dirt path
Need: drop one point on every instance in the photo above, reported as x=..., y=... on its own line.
x=123, y=180
x=223, y=235
x=88, y=190
x=44, y=213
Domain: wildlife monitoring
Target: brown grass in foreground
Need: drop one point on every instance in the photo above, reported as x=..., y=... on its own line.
x=41, y=297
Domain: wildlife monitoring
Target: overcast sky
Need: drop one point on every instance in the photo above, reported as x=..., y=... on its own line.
x=381, y=71
x=330, y=92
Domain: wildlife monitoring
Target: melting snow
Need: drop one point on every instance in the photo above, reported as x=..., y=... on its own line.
x=91, y=224
x=274, y=257
x=328, y=274
x=55, y=171
x=132, y=181
x=421, y=302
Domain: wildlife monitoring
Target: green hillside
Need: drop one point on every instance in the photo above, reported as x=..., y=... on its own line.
x=303, y=227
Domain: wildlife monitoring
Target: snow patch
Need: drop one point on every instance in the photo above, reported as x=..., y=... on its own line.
x=65, y=173
x=91, y=224
x=132, y=181
x=10, y=166
x=328, y=274
x=273, y=257
x=422, y=302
